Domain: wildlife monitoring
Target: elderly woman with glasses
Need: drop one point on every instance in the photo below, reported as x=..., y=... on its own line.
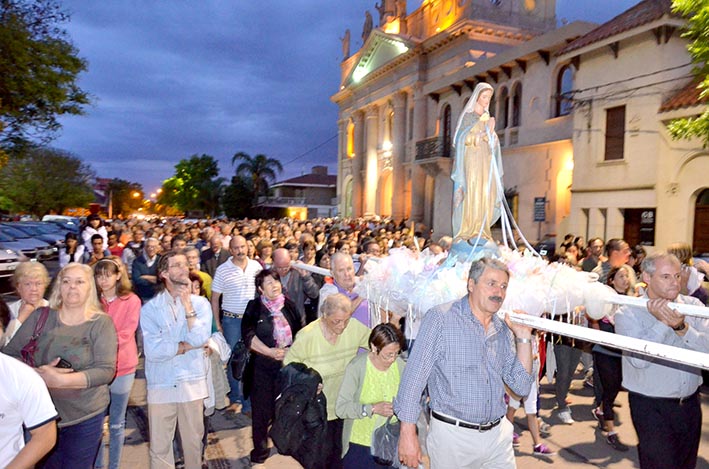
x=371, y=381
x=30, y=281
x=328, y=344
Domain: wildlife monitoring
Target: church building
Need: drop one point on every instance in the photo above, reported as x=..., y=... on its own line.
x=402, y=92
x=581, y=114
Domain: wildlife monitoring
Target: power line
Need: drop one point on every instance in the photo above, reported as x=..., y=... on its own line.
x=311, y=150
x=625, y=80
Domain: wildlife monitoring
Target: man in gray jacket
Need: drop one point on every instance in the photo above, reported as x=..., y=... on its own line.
x=297, y=283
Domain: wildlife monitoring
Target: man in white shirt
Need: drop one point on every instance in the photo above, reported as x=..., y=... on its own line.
x=234, y=284
x=24, y=399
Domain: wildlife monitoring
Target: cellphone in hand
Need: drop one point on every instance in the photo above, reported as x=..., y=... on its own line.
x=64, y=364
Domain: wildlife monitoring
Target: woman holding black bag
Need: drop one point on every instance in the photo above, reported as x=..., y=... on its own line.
x=270, y=324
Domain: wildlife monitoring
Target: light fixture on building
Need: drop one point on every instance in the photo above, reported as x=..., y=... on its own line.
x=387, y=147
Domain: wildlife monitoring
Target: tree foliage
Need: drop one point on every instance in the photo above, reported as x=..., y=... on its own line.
x=697, y=31
x=122, y=196
x=45, y=180
x=195, y=185
x=260, y=169
x=238, y=197
x=39, y=69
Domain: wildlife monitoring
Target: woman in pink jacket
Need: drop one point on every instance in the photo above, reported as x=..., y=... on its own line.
x=123, y=306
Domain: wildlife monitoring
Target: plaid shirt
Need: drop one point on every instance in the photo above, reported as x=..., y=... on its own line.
x=463, y=365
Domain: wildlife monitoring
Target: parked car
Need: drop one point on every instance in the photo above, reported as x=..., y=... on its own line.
x=54, y=238
x=43, y=251
x=9, y=260
x=69, y=223
x=66, y=225
x=20, y=248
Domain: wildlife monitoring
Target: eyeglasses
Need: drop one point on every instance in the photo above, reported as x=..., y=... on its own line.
x=389, y=356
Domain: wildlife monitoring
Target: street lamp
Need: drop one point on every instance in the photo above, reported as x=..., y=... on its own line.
x=135, y=194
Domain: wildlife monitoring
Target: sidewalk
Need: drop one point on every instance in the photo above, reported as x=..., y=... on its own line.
x=579, y=445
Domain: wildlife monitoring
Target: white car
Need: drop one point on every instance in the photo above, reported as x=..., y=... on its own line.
x=8, y=262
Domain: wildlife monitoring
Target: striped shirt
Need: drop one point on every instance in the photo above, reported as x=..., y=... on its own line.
x=236, y=286
x=464, y=366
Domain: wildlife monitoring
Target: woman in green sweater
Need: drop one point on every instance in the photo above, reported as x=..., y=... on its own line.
x=371, y=381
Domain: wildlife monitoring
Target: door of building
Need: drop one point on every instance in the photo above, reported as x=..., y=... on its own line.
x=700, y=241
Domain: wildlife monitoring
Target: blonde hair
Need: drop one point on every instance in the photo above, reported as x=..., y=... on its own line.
x=32, y=270
x=682, y=251
x=92, y=305
x=335, y=302
x=112, y=265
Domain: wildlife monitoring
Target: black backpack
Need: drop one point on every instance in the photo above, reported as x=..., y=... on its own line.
x=300, y=420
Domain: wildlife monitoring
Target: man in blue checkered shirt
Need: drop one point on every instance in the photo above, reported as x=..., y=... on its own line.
x=466, y=355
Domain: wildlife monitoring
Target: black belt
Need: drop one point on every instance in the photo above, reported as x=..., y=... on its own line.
x=678, y=400
x=482, y=427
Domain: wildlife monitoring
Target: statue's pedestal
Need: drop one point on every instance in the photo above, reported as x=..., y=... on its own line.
x=468, y=250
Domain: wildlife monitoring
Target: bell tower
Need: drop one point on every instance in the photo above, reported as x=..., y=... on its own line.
x=538, y=15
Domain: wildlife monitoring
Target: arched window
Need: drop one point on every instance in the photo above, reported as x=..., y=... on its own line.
x=504, y=106
x=350, y=140
x=564, y=86
x=517, y=105
x=447, y=131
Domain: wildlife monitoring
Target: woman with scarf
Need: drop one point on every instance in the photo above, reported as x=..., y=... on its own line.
x=270, y=324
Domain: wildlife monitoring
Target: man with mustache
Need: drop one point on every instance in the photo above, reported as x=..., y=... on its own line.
x=464, y=354
x=663, y=396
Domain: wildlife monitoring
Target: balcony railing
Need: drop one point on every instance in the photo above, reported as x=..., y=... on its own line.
x=433, y=147
x=281, y=201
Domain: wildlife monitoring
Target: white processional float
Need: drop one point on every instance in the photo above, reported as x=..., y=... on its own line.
x=409, y=283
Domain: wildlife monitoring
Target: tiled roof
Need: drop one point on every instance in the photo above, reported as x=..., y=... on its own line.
x=644, y=12
x=310, y=180
x=685, y=97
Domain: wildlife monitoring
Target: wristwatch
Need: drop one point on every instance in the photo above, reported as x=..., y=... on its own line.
x=680, y=328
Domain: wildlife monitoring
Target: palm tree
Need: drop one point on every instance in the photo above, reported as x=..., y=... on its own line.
x=260, y=169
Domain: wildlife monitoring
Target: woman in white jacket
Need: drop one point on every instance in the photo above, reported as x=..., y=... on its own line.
x=94, y=226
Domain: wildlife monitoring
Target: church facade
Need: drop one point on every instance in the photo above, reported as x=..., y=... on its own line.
x=401, y=94
x=581, y=114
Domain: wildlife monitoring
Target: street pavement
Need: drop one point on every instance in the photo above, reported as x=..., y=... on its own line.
x=579, y=445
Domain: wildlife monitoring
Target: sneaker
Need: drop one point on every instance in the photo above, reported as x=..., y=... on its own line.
x=565, y=416
x=613, y=440
x=543, y=450
x=544, y=429
x=515, y=440
x=597, y=414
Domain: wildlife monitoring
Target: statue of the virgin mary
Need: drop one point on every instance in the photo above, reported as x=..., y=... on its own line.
x=477, y=174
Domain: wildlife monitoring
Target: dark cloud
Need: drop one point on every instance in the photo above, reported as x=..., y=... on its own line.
x=176, y=78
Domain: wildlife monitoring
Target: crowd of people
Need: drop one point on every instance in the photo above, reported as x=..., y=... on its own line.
x=184, y=295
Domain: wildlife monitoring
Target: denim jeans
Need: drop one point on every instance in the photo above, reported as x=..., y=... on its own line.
x=232, y=334
x=120, y=392
x=76, y=446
